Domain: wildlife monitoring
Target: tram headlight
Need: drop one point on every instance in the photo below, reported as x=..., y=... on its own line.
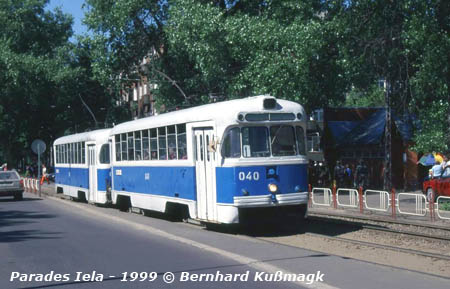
x=273, y=188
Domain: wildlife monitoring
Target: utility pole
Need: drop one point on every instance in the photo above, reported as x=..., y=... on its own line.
x=387, y=140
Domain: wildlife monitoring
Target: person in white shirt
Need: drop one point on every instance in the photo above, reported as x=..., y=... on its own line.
x=436, y=170
x=44, y=175
x=446, y=165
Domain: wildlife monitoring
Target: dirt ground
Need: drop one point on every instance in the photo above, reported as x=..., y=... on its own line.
x=382, y=256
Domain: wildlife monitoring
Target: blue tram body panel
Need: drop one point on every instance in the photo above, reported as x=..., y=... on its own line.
x=103, y=178
x=163, y=181
x=233, y=181
x=79, y=177
x=75, y=177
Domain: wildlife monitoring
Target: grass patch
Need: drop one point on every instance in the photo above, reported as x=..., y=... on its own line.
x=444, y=206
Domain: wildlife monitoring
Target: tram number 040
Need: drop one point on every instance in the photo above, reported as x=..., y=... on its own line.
x=249, y=176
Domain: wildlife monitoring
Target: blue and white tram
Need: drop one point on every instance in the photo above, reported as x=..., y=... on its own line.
x=215, y=161
x=82, y=166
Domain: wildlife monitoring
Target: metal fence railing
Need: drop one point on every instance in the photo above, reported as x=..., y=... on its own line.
x=407, y=204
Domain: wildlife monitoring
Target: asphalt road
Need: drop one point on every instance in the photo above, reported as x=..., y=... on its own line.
x=50, y=236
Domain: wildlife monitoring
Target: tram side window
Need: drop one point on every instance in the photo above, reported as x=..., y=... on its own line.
x=83, y=153
x=255, y=142
x=71, y=153
x=63, y=160
x=78, y=153
x=123, y=147
x=68, y=154
x=283, y=140
x=181, y=141
x=137, y=145
x=145, y=145
x=130, y=146
x=104, y=154
x=74, y=153
x=117, y=143
x=172, y=142
x=301, y=140
x=162, y=142
x=231, y=146
x=154, y=144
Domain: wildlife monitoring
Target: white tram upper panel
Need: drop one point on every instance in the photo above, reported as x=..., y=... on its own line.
x=223, y=113
x=98, y=136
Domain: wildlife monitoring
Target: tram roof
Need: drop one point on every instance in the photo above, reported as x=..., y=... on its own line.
x=100, y=134
x=225, y=111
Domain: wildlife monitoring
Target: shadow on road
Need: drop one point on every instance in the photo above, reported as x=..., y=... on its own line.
x=288, y=227
x=23, y=235
x=12, y=218
x=11, y=200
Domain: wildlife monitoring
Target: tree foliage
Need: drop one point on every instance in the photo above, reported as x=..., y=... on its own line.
x=43, y=76
x=319, y=53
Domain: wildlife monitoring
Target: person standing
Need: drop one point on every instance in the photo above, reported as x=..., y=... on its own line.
x=324, y=174
x=348, y=176
x=339, y=174
x=361, y=174
x=44, y=175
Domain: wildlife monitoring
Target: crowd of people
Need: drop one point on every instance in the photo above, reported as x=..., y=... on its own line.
x=342, y=176
x=441, y=167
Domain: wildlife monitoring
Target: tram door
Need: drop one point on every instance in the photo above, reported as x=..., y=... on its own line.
x=92, y=173
x=204, y=146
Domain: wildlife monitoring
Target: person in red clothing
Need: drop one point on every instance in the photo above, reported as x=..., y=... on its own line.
x=44, y=175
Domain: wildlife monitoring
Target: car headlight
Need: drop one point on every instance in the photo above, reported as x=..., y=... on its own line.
x=273, y=188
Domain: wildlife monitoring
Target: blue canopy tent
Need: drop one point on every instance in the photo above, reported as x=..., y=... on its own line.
x=355, y=133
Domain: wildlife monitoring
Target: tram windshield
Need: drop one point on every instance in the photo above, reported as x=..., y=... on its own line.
x=264, y=141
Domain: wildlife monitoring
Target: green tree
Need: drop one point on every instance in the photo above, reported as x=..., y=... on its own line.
x=43, y=76
x=319, y=53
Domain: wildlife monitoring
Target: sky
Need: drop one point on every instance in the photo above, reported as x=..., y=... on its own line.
x=71, y=7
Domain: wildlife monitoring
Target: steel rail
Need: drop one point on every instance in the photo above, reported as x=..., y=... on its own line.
x=379, y=246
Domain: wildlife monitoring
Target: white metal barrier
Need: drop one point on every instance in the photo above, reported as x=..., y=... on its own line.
x=28, y=184
x=327, y=196
x=353, y=200
x=421, y=204
x=384, y=200
x=439, y=211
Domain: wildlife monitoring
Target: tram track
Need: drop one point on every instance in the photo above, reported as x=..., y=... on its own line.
x=431, y=231
x=382, y=246
x=397, y=247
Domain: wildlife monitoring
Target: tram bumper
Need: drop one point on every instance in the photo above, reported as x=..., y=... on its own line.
x=270, y=200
